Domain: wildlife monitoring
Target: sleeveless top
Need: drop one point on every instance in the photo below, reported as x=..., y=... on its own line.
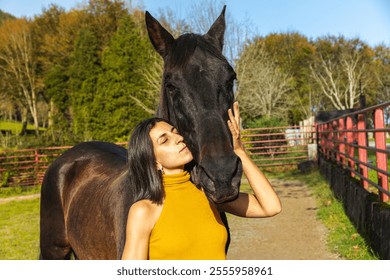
x=188, y=227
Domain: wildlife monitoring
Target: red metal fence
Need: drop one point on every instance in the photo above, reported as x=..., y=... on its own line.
x=26, y=167
x=357, y=142
x=269, y=148
x=285, y=146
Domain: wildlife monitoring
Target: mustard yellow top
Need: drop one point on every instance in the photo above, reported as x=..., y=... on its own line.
x=188, y=227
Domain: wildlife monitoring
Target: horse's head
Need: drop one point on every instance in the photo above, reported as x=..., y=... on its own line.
x=197, y=91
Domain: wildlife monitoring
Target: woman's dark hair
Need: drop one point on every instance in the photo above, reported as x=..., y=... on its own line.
x=144, y=179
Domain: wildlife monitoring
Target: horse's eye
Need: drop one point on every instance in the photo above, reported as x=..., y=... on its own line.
x=230, y=83
x=171, y=89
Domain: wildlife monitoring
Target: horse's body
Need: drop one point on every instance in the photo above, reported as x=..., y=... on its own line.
x=84, y=203
x=85, y=196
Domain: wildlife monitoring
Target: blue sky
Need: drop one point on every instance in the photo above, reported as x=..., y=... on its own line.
x=367, y=19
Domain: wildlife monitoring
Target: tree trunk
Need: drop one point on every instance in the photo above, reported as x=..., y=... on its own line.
x=23, y=131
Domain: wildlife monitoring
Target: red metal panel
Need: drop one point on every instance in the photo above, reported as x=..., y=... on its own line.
x=322, y=138
x=350, y=149
x=381, y=158
x=342, y=138
x=362, y=141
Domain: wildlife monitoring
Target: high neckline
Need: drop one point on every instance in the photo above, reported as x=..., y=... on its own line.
x=175, y=179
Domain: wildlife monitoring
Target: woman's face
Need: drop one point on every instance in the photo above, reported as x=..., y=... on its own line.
x=170, y=151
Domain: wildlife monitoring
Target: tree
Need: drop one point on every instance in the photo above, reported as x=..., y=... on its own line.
x=382, y=73
x=5, y=16
x=292, y=53
x=104, y=17
x=202, y=15
x=262, y=86
x=19, y=66
x=340, y=70
x=83, y=79
x=121, y=96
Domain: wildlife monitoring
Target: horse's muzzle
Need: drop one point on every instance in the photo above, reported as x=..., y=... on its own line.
x=220, y=189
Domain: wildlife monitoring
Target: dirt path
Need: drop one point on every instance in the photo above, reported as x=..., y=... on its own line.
x=294, y=234
x=24, y=197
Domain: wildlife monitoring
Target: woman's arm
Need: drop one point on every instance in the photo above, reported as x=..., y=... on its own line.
x=264, y=202
x=140, y=222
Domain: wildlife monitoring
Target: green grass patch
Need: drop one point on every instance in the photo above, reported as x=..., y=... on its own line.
x=343, y=239
x=19, y=230
x=15, y=127
x=18, y=191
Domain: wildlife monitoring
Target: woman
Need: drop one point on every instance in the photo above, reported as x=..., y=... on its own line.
x=177, y=221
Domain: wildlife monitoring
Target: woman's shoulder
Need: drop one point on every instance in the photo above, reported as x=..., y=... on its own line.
x=144, y=211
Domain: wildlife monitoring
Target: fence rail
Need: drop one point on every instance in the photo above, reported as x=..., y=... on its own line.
x=269, y=147
x=26, y=167
x=357, y=142
x=279, y=146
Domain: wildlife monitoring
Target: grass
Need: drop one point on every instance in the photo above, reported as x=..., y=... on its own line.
x=19, y=221
x=14, y=127
x=18, y=191
x=19, y=230
x=343, y=239
x=372, y=174
x=12, y=140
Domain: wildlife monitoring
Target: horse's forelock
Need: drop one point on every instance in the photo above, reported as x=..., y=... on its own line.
x=185, y=46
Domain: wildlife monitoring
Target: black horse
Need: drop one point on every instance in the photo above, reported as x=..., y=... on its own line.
x=85, y=199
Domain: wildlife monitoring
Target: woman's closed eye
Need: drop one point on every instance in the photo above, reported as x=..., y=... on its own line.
x=167, y=136
x=162, y=140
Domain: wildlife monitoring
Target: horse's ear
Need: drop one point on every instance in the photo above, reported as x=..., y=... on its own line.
x=217, y=30
x=161, y=39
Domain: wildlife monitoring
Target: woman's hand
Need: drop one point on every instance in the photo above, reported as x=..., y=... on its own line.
x=234, y=126
x=265, y=201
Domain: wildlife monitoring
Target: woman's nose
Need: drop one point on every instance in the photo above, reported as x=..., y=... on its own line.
x=179, y=139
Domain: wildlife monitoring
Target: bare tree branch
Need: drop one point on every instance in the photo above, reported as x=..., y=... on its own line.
x=262, y=87
x=18, y=65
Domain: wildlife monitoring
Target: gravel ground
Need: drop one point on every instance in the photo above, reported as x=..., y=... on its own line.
x=294, y=234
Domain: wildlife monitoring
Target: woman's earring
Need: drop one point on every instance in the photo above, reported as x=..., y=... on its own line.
x=161, y=171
